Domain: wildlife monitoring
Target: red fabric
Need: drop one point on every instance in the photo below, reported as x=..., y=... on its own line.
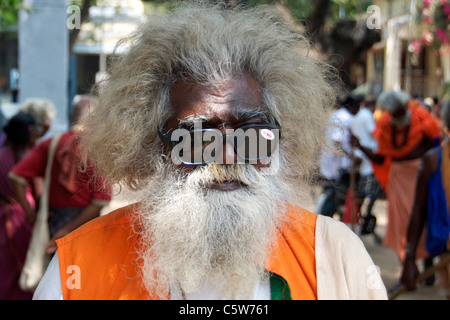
x=381, y=172
x=68, y=186
x=15, y=233
x=351, y=213
x=400, y=193
x=68, y=159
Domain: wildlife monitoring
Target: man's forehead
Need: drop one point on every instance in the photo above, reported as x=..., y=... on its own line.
x=236, y=99
x=236, y=115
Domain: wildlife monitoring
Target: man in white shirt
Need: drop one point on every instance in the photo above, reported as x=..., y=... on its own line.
x=362, y=128
x=335, y=167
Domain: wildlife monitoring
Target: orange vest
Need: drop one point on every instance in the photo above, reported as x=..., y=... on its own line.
x=98, y=260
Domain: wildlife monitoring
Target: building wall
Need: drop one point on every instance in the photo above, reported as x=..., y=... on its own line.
x=395, y=25
x=43, y=56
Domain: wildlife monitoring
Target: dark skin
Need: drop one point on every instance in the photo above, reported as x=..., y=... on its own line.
x=418, y=151
x=419, y=215
x=222, y=107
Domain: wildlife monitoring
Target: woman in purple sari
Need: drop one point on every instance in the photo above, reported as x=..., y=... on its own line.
x=15, y=227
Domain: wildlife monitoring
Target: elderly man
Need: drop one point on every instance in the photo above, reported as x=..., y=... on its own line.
x=192, y=117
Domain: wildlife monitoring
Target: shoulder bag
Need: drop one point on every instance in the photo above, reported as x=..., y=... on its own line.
x=37, y=259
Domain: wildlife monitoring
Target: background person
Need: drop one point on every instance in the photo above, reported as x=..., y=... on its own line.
x=15, y=229
x=404, y=134
x=74, y=197
x=417, y=222
x=363, y=126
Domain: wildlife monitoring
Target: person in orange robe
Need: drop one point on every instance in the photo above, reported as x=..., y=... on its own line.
x=404, y=134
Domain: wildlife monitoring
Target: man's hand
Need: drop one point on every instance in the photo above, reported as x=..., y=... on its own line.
x=354, y=142
x=51, y=246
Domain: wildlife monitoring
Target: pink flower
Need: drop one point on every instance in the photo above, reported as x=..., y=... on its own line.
x=441, y=35
x=426, y=3
x=427, y=38
x=446, y=9
x=416, y=46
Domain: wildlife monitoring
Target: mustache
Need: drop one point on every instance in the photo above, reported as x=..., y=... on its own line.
x=212, y=173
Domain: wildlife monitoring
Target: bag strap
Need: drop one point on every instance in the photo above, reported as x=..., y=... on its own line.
x=46, y=190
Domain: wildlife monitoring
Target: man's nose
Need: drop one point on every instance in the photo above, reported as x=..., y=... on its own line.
x=227, y=154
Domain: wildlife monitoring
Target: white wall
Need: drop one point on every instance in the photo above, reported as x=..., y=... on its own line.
x=43, y=56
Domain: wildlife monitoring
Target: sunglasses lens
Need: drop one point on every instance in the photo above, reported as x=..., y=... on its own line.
x=202, y=146
x=255, y=143
x=198, y=146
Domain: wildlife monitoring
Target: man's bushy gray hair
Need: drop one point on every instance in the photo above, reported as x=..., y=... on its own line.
x=208, y=44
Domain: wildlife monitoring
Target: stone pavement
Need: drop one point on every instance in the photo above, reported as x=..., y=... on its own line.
x=383, y=257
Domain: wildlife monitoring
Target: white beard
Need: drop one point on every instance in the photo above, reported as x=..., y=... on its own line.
x=191, y=233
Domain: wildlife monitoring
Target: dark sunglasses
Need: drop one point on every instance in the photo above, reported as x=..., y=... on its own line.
x=250, y=142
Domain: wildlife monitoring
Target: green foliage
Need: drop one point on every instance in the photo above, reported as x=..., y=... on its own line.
x=446, y=91
x=302, y=9
x=9, y=13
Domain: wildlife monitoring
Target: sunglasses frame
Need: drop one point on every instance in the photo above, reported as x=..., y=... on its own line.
x=166, y=138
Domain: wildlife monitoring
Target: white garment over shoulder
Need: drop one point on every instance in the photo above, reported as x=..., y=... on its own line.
x=50, y=286
x=363, y=125
x=344, y=269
